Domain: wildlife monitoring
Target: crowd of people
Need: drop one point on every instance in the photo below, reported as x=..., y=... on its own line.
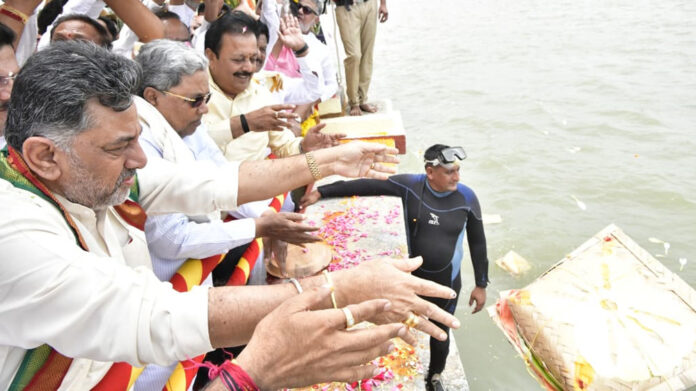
x=141, y=164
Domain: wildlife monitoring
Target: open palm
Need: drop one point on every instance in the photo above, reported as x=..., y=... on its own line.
x=290, y=33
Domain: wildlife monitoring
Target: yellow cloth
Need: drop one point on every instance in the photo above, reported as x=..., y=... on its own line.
x=252, y=145
x=309, y=122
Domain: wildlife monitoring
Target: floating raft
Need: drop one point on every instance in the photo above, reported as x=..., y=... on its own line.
x=608, y=316
x=364, y=228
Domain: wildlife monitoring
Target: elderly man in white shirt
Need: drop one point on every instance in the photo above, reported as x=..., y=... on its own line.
x=76, y=283
x=174, y=91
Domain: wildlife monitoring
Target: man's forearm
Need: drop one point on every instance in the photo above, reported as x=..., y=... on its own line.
x=139, y=18
x=212, y=10
x=202, y=187
x=268, y=178
x=233, y=312
x=477, y=247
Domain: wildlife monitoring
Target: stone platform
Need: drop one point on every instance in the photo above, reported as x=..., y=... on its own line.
x=364, y=228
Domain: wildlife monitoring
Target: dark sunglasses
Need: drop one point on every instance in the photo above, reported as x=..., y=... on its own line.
x=194, y=102
x=307, y=10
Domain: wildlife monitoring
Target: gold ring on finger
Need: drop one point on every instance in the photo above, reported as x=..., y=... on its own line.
x=277, y=113
x=412, y=320
x=350, y=321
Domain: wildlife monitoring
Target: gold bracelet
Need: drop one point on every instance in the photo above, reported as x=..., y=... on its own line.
x=313, y=167
x=332, y=287
x=15, y=14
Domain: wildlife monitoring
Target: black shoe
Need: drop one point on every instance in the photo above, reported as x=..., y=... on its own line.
x=435, y=384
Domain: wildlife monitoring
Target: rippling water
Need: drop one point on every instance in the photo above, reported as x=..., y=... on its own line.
x=551, y=99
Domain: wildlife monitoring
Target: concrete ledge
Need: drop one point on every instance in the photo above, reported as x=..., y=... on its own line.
x=373, y=227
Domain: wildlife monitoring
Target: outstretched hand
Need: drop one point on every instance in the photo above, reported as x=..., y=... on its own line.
x=287, y=227
x=295, y=346
x=314, y=139
x=360, y=159
x=391, y=279
x=270, y=118
x=290, y=33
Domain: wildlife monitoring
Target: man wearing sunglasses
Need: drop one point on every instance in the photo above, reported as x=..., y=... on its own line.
x=439, y=211
x=175, y=91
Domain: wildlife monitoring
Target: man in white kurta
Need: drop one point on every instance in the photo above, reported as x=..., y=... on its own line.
x=250, y=145
x=60, y=292
x=242, y=119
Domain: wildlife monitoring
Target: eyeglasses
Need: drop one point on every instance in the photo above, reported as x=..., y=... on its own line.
x=447, y=156
x=194, y=102
x=306, y=10
x=5, y=80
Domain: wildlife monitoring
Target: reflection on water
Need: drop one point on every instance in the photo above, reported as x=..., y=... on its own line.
x=555, y=103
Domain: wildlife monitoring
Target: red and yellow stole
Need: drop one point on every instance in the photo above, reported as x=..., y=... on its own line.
x=43, y=368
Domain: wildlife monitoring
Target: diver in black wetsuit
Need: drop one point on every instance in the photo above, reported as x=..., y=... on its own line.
x=438, y=211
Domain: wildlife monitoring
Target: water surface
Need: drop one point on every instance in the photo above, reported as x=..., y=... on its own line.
x=550, y=99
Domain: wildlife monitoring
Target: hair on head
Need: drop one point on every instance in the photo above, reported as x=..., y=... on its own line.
x=53, y=91
x=235, y=22
x=7, y=36
x=101, y=31
x=262, y=29
x=164, y=62
x=432, y=151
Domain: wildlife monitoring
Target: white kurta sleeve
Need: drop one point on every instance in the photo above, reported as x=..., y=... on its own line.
x=85, y=305
x=194, y=188
x=174, y=236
